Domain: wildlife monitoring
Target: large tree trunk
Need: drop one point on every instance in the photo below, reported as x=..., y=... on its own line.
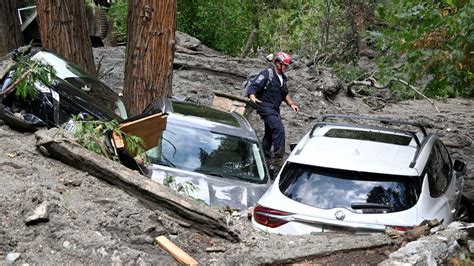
x=10, y=32
x=150, y=47
x=63, y=29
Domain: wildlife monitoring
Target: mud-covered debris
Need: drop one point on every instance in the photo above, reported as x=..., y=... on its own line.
x=414, y=233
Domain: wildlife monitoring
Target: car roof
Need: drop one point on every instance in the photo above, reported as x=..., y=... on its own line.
x=386, y=155
x=205, y=117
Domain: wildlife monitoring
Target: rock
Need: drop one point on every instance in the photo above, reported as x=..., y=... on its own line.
x=215, y=249
x=67, y=244
x=12, y=257
x=187, y=41
x=142, y=239
x=72, y=182
x=40, y=214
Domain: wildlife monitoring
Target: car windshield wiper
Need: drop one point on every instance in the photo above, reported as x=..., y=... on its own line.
x=163, y=161
x=210, y=173
x=367, y=205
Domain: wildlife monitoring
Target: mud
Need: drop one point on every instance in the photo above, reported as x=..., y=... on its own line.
x=92, y=222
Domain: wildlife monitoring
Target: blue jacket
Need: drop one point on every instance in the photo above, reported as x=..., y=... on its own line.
x=271, y=95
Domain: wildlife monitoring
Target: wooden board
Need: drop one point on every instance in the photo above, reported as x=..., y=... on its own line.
x=149, y=129
x=177, y=253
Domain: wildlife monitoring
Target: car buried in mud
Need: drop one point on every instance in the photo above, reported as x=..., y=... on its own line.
x=215, y=154
x=363, y=178
x=74, y=91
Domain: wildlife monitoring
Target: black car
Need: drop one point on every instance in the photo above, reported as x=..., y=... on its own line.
x=73, y=92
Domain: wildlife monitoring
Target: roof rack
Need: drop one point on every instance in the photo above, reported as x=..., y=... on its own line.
x=383, y=120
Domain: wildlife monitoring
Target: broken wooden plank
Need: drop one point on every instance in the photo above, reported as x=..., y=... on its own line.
x=177, y=253
x=199, y=216
x=231, y=103
x=149, y=129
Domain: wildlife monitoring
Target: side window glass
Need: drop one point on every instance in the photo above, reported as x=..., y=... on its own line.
x=447, y=164
x=438, y=181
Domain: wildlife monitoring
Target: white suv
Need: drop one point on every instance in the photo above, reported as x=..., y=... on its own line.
x=362, y=178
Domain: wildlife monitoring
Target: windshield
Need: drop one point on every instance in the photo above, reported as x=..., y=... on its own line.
x=203, y=151
x=359, y=192
x=83, y=81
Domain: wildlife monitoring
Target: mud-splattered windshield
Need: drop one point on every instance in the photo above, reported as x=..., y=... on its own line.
x=206, y=152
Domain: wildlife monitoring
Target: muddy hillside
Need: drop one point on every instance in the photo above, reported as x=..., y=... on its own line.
x=52, y=213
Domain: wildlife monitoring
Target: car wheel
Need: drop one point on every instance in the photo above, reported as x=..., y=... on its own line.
x=464, y=213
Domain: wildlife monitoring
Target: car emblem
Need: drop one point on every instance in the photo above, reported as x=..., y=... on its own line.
x=340, y=215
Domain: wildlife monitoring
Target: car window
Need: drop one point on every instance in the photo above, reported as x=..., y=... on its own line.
x=437, y=172
x=359, y=192
x=447, y=164
x=211, y=153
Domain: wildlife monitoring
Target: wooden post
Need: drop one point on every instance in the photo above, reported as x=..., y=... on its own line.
x=177, y=253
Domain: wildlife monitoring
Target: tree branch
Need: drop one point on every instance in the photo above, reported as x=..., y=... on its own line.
x=20, y=79
x=371, y=82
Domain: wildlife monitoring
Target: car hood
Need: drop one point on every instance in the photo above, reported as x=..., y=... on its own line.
x=214, y=191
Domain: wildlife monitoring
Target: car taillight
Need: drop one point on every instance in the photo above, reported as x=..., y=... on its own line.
x=268, y=217
x=399, y=228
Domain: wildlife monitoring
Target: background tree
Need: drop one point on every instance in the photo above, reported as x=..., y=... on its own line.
x=63, y=29
x=10, y=32
x=150, y=50
x=429, y=44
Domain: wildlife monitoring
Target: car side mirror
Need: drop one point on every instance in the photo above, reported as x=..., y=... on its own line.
x=292, y=146
x=459, y=166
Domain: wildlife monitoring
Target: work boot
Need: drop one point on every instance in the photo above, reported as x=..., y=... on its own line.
x=278, y=161
x=269, y=162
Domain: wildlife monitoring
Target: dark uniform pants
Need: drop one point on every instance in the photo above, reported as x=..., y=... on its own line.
x=274, y=136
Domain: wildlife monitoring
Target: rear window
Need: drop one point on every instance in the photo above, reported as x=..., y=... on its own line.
x=205, y=112
x=369, y=136
x=359, y=192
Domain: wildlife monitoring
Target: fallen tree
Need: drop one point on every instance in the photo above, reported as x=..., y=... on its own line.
x=187, y=211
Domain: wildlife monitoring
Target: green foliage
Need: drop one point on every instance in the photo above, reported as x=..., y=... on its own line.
x=222, y=25
x=435, y=40
x=91, y=134
x=304, y=27
x=118, y=14
x=186, y=188
x=28, y=73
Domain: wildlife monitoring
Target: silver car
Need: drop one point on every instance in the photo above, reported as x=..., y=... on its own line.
x=363, y=178
x=217, y=153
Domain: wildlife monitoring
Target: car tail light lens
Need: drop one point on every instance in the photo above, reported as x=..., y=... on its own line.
x=268, y=217
x=398, y=228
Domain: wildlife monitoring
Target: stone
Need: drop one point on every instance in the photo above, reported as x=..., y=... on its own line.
x=40, y=214
x=215, y=249
x=67, y=244
x=12, y=257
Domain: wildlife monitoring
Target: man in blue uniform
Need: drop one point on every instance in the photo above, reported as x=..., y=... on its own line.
x=268, y=90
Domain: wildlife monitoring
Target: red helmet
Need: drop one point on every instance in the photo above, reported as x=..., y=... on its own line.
x=282, y=58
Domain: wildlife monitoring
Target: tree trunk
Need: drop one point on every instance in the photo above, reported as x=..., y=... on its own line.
x=361, y=17
x=150, y=48
x=63, y=29
x=10, y=31
x=187, y=211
